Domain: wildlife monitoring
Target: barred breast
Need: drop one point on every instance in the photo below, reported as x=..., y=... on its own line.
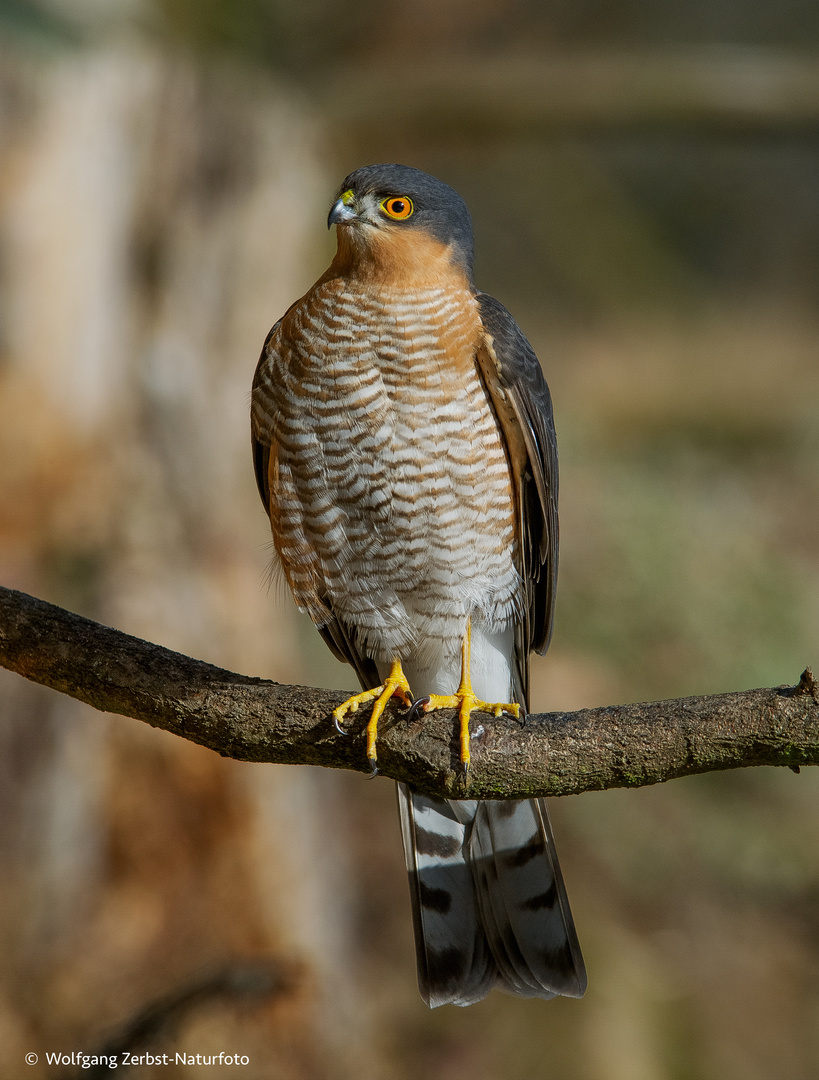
x=391, y=495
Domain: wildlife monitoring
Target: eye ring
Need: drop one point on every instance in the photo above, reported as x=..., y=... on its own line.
x=397, y=207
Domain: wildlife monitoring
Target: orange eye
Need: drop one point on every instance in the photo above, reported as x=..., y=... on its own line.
x=397, y=206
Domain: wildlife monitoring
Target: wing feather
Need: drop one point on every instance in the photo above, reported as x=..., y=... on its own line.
x=522, y=402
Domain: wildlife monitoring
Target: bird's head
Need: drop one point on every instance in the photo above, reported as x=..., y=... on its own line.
x=396, y=215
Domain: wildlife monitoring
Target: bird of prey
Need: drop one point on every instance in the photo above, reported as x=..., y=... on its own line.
x=405, y=452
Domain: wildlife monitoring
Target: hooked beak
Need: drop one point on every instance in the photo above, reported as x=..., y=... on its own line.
x=343, y=211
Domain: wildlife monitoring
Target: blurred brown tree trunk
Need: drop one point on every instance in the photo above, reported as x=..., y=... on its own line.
x=155, y=216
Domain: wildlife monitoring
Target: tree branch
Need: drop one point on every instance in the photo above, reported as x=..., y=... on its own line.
x=547, y=754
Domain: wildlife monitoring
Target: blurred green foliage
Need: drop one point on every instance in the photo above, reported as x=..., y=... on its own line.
x=290, y=35
x=25, y=21
x=671, y=572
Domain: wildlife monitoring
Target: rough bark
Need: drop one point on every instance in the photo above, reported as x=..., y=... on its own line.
x=544, y=754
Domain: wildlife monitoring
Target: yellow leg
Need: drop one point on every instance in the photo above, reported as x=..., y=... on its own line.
x=395, y=683
x=464, y=699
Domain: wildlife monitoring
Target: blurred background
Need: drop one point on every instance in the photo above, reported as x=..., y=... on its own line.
x=643, y=179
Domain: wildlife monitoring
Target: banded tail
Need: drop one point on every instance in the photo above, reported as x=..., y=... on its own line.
x=488, y=900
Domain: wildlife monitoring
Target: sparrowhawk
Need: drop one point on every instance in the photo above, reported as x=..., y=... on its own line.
x=405, y=452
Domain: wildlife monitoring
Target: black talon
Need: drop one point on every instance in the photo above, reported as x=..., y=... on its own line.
x=373, y=767
x=338, y=726
x=417, y=707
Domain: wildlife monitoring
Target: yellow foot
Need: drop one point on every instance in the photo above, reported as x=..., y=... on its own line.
x=465, y=701
x=395, y=683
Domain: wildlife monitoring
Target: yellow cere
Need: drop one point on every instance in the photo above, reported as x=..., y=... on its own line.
x=397, y=206
x=348, y=198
